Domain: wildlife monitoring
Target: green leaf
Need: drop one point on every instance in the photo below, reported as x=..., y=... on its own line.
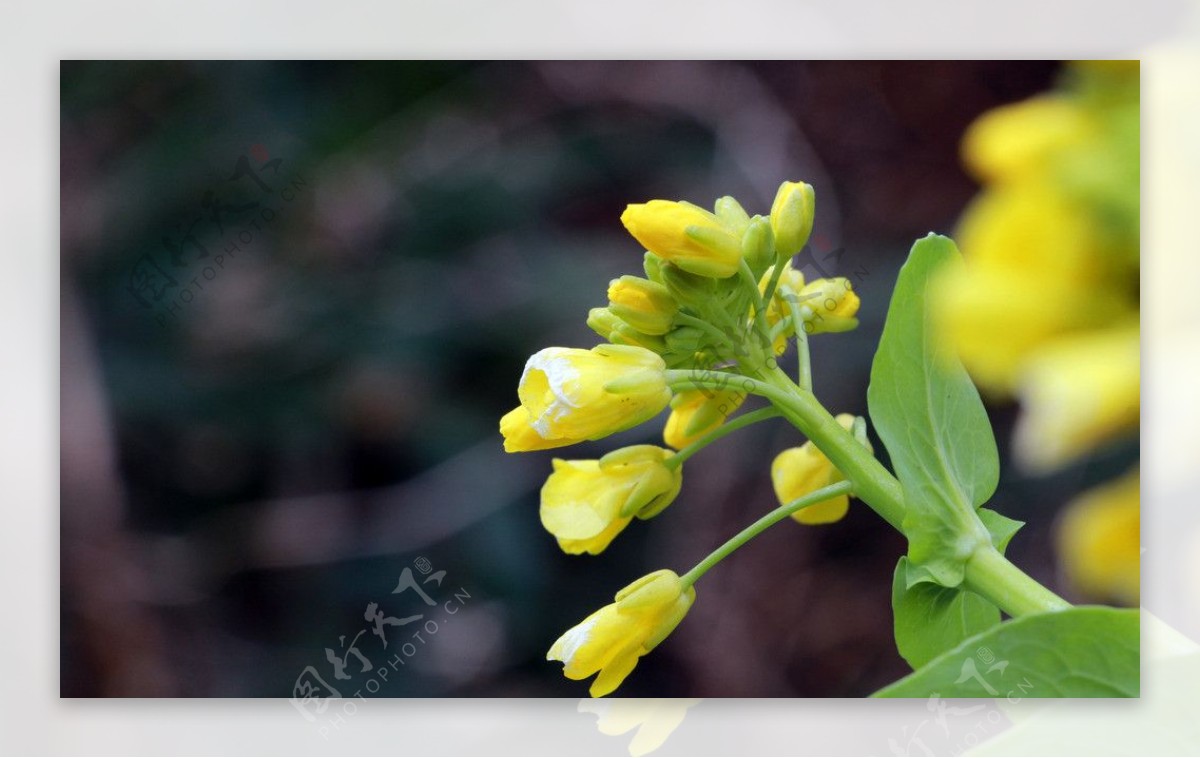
x=1086, y=651
x=930, y=418
x=931, y=619
x=1002, y=528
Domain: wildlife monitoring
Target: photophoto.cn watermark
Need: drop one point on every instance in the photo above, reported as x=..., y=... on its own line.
x=197, y=252
x=955, y=729
x=391, y=641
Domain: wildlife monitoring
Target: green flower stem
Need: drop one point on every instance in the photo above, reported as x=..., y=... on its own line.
x=987, y=572
x=760, y=308
x=781, y=261
x=996, y=578
x=804, y=369
x=744, y=420
x=752, y=531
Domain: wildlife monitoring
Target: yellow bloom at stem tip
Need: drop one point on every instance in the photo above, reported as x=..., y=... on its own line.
x=800, y=470
x=586, y=504
x=611, y=640
x=695, y=413
x=686, y=235
x=569, y=395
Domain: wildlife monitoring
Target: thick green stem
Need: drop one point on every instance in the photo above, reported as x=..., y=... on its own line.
x=988, y=573
x=772, y=518
x=996, y=578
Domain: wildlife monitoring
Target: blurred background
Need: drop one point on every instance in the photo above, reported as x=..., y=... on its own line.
x=297, y=298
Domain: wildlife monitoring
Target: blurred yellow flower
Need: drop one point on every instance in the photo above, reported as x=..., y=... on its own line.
x=1099, y=539
x=1046, y=307
x=686, y=235
x=1018, y=140
x=800, y=470
x=1077, y=394
x=573, y=394
x=695, y=413
x=611, y=640
x=586, y=504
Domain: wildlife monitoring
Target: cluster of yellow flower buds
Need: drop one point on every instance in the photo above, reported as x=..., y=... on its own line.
x=707, y=276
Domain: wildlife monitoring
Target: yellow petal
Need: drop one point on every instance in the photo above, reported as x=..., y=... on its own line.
x=1099, y=540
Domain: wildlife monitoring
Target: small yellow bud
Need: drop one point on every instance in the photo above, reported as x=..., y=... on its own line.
x=833, y=304
x=573, y=394
x=695, y=413
x=611, y=640
x=792, y=217
x=645, y=305
x=800, y=470
x=602, y=321
x=585, y=504
x=686, y=235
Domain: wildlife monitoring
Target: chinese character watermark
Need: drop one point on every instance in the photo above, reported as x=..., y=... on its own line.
x=321, y=701
x=210, y=240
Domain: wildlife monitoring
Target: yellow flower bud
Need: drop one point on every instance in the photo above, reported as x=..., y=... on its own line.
x=611, y=640
x=588, y=394
x=833, y=304
x=792, y=217
x=686, y=235
x=645, y=305
x=652, y=265
x=695, y=413
x=586, y=504
x=1099, y=540
x=602, y=321
x=800, y=470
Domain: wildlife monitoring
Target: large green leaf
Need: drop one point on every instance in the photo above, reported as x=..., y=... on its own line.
x=931, y=619
x=1087, y=651
x=930, y=418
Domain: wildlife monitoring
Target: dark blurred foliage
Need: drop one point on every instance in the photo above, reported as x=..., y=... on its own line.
x=244, y=471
